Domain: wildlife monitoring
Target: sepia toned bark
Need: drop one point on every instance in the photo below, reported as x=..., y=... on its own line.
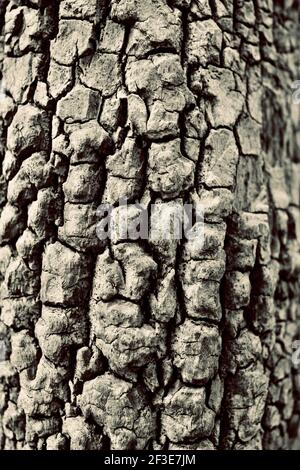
x=145, y=343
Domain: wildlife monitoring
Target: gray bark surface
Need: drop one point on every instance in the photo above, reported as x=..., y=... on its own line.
x=149, y=344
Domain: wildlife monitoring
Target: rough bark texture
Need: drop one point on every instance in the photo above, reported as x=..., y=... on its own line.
x=133, y=344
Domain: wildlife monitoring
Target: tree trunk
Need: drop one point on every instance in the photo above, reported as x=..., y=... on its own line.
x=146, y=109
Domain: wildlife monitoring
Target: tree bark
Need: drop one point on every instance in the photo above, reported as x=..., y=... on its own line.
x=149, y=343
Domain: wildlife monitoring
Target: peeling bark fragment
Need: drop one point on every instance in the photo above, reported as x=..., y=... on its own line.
x=125, y=173
x=80, y=104
x=79, y=9
x=90, y=143
x=19, y=281
x=19, y=85
x=108, y=279
x=89, y=363
x=41, y=428
x=245, y=399
x=24, y=351
x=170, y=172
x=161, y=78
x=112, y=38
x=204, y=43
x=129, y=349
x=138, y=268
x=104, y=400
x=83, y=184
x=162, y=124
x=116, y=313
x=163, y=304
x=29, y=131
x=216, y=203
x=27, y=28
x=108, y=80
x=56, y=442
x=240, y=253
x=208, y=246
x=59, y=79
x=83, y=435
x=239, y=287
x=242, y=351
x=45, y=213
x=64, y=283
x=44, y=394
x=29, y=248
x=220, y=159
x=35, y=173
x=225, y=98
x=12, y=223
x=73, y=40
x=262, y=313
x=197, y=347
x=157, y=31
x=14, y=423
x=77, y=216
x=20, y=312
x=185, y=417
x=122, y=337
x=247, y=130
x=59, y=331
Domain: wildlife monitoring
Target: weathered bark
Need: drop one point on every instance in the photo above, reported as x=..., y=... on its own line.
x=148, y=343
